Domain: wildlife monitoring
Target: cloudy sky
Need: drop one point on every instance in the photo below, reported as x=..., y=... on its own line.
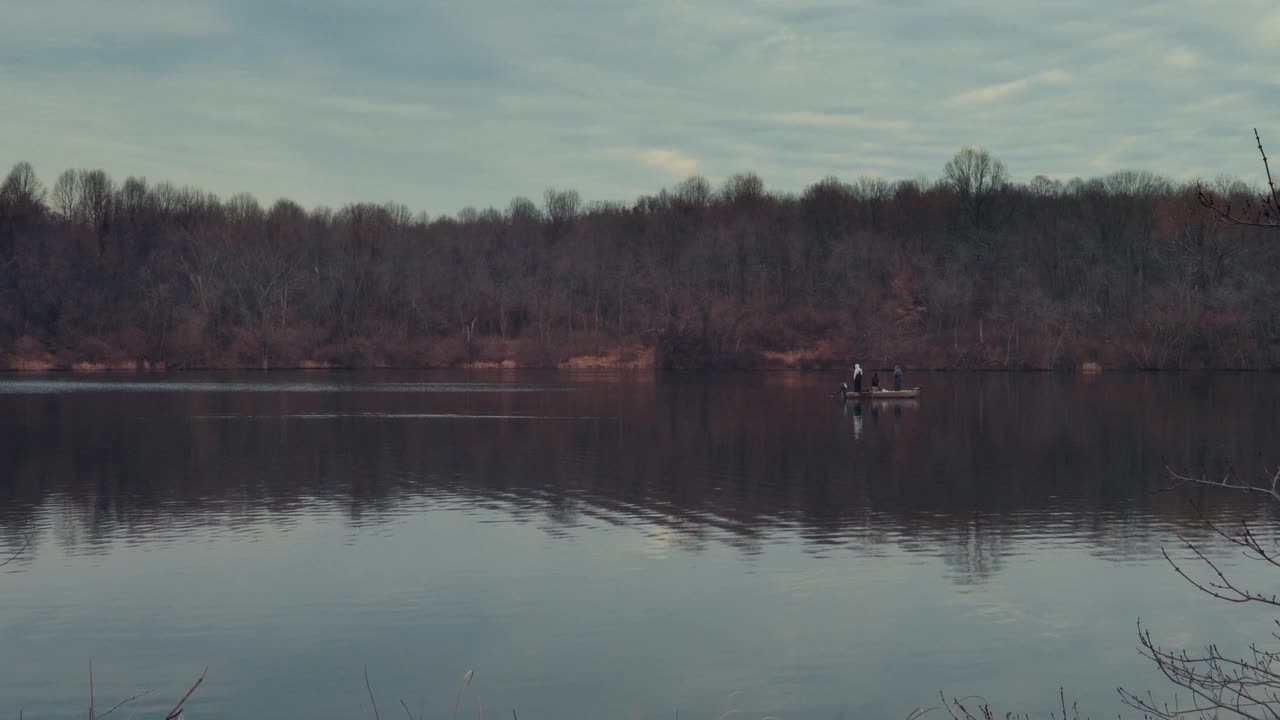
x=441, y=104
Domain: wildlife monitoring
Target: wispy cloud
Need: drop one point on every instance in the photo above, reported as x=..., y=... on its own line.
x=81, y=21
x=1215, y=103
x=833, y=120
x=1112, y=157
x=442, y=105
x=1264, y=31
x=999, y=92
x=670, y=162
x=1182, y=58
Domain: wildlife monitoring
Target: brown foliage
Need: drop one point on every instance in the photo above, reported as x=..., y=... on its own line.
x=1125, y=270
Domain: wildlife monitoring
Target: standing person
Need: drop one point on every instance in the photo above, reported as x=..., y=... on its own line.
x=875, y=381
x=857, y=378
x=897, y=377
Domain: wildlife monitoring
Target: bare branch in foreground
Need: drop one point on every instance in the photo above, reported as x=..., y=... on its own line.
x=918, y=713
x=1264, y=213
x=466, y=681
x=124, y=702
x=1270, y=486
x=1223, y=588
x=177, y=709
x=1218, y=685
x=1243, y=687
x=1275, y=197
x=958, y=711
x=963, y=709
x=370, y=689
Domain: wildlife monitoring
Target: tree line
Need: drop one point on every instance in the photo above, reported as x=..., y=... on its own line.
x=969, y=271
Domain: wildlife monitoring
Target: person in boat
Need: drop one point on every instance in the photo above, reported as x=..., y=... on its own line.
x=857, y=378
x=875, y=381
x=897, y=377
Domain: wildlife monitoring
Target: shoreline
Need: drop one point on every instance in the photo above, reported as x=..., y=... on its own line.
x=589, y=353
x=593, y=364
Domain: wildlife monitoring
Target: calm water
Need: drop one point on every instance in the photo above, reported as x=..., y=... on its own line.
x=600, y=545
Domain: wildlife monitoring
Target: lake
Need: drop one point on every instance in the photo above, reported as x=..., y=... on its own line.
x=609, y=544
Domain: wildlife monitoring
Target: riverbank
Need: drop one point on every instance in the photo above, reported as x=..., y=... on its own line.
x=660, y=352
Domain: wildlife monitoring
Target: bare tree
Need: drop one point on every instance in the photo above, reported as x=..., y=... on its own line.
x=561, y=207
x=21, y=202
x=694, y=191
x=66, y=193
x=977, y=177
x=242, y=209
x=745, y=188
x=1042, y=186
x=21, y=187
x=96, y=195
x=523, y=210
x=263, y=281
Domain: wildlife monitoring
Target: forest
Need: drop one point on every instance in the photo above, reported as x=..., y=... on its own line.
x=969, y=271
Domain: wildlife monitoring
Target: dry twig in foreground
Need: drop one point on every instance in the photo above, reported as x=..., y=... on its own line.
x=1263, y=213
x=177, y=709
x=1219, y=685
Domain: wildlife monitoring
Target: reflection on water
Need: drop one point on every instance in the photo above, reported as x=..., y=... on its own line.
x=605, y=543
x=24, y=386
x=390, y=416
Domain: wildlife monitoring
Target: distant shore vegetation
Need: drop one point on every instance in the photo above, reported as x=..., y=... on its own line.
x=969, y=271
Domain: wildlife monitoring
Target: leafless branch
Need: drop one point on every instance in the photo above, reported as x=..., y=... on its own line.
x=1219, y=685
x=126, y=701
x=1230, y=481
x=406, y=708
x=370, y=689
x=1264, y=213
x=918, y=713
x=177, y=709
x=957, y=709
x=466, y=681
x=1275, y=198
x=1224, y=588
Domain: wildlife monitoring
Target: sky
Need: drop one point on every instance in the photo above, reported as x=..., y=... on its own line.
x=442, y=105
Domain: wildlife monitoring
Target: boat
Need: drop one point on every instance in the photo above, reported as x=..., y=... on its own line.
x=884, y=394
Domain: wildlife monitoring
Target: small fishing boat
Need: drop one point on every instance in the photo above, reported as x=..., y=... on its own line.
x=884, y=394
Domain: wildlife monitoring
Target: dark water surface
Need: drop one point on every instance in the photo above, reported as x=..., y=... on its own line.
x=607, y=545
